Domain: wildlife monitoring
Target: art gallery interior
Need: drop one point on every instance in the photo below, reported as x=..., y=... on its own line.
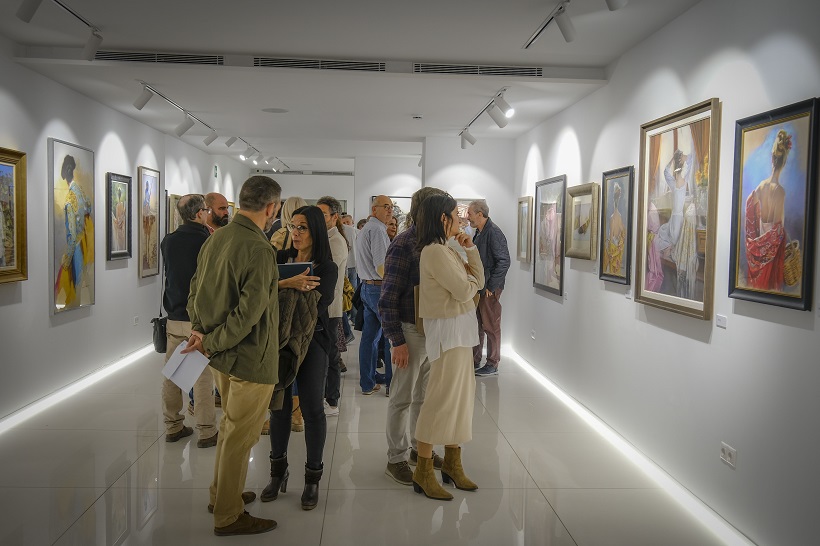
x=635, y=456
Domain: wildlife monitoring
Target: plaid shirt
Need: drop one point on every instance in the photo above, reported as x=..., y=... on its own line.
x=401, y=275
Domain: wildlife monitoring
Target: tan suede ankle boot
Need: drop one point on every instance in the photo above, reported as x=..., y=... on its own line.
x=424, y=481
x=297, y=423
x=452, y=470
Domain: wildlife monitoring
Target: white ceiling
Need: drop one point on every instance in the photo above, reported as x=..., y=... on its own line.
x=332, y=115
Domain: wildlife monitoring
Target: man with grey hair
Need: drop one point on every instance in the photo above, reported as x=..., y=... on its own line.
x=234, y=309
x=180, y=250
x=492, y=246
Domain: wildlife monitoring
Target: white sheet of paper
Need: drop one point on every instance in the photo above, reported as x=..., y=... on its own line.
x=185, y=369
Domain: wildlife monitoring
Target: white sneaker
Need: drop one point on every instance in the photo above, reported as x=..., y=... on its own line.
x=331, y=411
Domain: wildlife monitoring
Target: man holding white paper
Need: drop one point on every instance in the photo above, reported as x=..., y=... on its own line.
x=234, y=309
x=179, y=254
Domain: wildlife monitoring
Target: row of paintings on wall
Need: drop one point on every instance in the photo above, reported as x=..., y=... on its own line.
x=773, y=213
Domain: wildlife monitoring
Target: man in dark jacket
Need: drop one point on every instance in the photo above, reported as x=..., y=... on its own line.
x=180, y=250
x=492, y=246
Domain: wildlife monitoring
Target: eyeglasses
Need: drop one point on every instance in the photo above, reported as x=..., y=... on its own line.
x=206, y=210
x=300, y=229
x=388, y=208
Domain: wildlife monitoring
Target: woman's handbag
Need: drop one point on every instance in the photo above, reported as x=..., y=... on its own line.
x=347, y=295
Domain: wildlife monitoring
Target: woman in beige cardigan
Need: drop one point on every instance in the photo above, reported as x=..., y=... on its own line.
x=447, y=286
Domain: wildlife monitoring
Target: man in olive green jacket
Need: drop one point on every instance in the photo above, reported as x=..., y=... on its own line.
x=234, y=310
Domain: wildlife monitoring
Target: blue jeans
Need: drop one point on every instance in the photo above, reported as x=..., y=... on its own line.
x=371, y=337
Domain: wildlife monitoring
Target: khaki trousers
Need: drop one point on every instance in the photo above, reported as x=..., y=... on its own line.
x=244, y=407
x=173, y=399
x=407, y=390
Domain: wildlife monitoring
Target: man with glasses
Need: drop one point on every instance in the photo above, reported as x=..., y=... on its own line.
x=371, y=249
x=218, y=207
x=180, y=250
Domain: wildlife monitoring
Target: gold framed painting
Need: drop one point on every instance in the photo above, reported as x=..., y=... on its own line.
x=149, y=222
x=677, y=210
x=524, y=243
x=582, y=216
x=13, y=240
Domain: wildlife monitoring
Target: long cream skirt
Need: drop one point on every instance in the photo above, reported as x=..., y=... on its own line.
x=446, y=416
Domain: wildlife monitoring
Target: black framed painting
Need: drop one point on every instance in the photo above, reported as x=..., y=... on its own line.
x=616, y=225
x=774, y=206
x=118, y=217
x=548, y=273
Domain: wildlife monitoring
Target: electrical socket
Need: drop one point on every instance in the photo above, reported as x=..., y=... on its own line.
x=135, y=320
x=728, y=454
x=629, y=294
x=721, y=321
x=532, y=334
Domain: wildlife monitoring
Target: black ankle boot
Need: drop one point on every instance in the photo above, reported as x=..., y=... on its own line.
x=279, y=475
x=310, y=496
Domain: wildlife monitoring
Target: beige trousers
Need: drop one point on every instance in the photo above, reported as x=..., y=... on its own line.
x=173, y=399
x=244, y=407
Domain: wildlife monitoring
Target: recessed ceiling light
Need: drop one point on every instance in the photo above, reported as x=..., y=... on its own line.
x=275, y=110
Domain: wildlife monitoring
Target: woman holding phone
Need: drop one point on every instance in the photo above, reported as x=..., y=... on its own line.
x=310, y=244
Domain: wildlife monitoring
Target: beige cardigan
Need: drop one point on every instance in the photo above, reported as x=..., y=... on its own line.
x=338, y=249
x=445, y=289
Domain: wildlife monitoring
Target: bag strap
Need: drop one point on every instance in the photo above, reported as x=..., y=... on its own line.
x=162, y=281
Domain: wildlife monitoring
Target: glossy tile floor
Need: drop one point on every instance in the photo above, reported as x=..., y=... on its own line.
x=95, y=469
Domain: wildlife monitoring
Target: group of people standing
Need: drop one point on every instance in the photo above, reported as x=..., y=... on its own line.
x=418, y=293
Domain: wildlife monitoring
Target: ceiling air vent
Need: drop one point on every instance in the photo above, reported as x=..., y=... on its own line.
x=318, y=64
x=478, y=70
x=170, y=58
x=318, y=173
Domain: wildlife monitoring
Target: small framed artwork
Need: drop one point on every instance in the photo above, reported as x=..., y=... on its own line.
x=582, y=214
x=524, y=229
x=13, y=240
x=677, y=210
x=71, y=225
x=149, y=226
x=174, y=219
x=774, y=206
x=548, y=273
x=616, y=225
x=118, y=217
x=231, y=209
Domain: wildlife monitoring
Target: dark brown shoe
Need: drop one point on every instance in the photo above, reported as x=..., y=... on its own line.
x=246, y=524
x=247, y=497
x=207, y=442
x=181, y=433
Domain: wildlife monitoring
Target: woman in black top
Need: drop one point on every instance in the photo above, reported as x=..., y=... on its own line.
x=310, y=244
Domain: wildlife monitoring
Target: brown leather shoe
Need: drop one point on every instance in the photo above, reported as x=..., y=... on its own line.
x=246, y=524
x=208, y=442
x=181, y=433
x=247, y=497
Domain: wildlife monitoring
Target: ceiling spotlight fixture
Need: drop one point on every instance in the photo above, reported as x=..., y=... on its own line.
x=466, y=137
x=497, y=108
x=615, y=5
x=498, y=116
x=256, y=161
x=143, y=99
x=559, y=15
x=27, y=10
x=183, y=127
x=92, y=45
x=210, y=138
x=505, y=107
x=421, y=158
x=230, y=141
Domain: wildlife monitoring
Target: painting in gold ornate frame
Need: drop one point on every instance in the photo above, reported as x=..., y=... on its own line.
x=581, y=229
x=774, y=206
x=524, y=238
x=677, y=210
x=71, y=225
x=548, y=235
x=616, y=225
x=118, y=217
x=13, y=241
x=149, y=222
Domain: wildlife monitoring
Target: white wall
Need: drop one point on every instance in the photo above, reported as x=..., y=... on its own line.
x=395, y=176
x=314, y=186
x=676, y=386
x=42, y=353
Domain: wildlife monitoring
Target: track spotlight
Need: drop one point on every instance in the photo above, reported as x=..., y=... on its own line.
x=256, y=161
x=92, y=45
x=565, y=23
x=498, y=116
x=183, y=127
x=466, y=137
x=210, y=138
x=421, y=158
x=615, y=5
x=143, y=99
x=268, y=160
x=246, y=154
x=505, y=107
x=230, y=141
x=27, y=10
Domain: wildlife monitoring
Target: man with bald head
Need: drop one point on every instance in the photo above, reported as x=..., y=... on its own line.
x=371, y=249
x=218, y=206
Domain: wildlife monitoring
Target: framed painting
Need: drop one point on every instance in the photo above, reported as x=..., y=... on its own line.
x=548, y=273
x=677, y=210
x=582, y=215
x=13, y=240
x=118, y=216
x=71, y=225
x=616, y=225
x=774, y=206
x=149, y=216
x=524, y=229
x=174, y=220
x=231, y=209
